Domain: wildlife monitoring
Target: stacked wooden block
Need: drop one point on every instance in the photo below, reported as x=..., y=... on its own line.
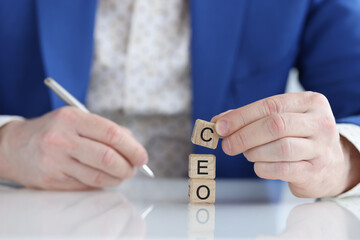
x=202, y=167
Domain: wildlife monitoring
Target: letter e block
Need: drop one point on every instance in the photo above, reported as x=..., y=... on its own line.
x=202, y=166
x=204, y=134
x=201, y=191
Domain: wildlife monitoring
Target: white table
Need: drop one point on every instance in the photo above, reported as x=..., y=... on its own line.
x=159, y=209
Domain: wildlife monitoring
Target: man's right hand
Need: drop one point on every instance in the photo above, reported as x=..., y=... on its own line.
x=68, y=149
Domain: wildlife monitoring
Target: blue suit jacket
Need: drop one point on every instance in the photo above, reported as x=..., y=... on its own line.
x=242, y=51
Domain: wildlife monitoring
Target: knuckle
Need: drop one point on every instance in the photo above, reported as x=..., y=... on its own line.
x=285, y=149
x=115, y=135
x=272, y=106
x=108, y=157
x=239, y=118
x=318, y=99
x=51, y=137
x=238, y=140
x=67, y=114
x=328, y=124
x=276, y=125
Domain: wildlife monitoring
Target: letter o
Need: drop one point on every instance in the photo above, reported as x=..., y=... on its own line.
x=198, y=192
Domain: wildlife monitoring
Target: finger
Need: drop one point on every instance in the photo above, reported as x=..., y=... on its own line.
x=290, y=102
x=74, y=186
x=61, y=182
x=101, y=157
x=293, y=172
x=267, y=130
x=214, y=119
x=287, y=149
x=90, y=176
x=115, y=136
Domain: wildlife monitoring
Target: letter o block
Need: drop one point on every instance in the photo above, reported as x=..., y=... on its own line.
x=204, y=134
x=201, y=191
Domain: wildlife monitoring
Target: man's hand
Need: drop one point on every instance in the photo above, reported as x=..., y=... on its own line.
x=68, y=150
x=292, y=137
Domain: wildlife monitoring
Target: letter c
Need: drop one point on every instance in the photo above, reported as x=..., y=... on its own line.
x=202, y=134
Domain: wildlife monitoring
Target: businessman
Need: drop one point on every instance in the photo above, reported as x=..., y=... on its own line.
x=130, y=61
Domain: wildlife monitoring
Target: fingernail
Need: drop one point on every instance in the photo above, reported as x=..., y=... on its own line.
x=222, y=127
x=227, y=146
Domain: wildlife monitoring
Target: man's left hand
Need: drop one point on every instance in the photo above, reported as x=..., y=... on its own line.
x=292, y=137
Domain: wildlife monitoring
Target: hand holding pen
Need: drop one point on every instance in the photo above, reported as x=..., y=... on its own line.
x=68, y=149
x=70, y=100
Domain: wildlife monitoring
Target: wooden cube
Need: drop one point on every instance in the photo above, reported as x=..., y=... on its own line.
x=201, y=190
x=204, y=134
x=202, y=166
x=201, y=218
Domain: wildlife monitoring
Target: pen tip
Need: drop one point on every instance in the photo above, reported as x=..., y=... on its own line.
x=149, y=172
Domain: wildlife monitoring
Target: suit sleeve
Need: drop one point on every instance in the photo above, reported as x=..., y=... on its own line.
x=329, y=62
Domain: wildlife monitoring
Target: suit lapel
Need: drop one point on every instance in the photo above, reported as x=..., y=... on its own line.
x=66, y=42
x=216, y=32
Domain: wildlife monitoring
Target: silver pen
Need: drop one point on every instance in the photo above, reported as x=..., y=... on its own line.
x=72, y=101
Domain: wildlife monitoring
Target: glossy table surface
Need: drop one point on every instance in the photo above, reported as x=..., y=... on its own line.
x=159, y=209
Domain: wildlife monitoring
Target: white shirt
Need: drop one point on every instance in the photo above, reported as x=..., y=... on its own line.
x=141, y=59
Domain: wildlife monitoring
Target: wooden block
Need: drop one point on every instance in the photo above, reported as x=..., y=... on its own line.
x=201, y=190
x=204, y=134
x=201, y=218
x=202, y=166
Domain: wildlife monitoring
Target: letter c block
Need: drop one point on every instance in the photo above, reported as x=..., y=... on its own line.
x=204, y=134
